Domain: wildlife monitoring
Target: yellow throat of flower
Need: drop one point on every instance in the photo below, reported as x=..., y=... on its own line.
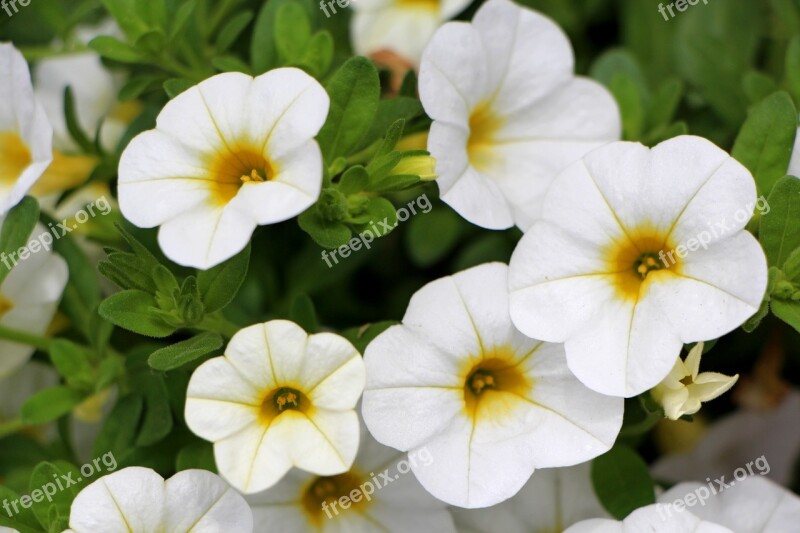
x=320, y=498
x=282, y=400
x=643, y=255
x=15, y=157
x=494, y=384
x=484, y=124
x=236, y=166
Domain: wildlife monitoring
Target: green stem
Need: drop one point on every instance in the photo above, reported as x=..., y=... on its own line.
x=218, y=324
x=21, y=337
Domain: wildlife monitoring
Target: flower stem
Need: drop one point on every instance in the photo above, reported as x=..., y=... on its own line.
x=22, y=337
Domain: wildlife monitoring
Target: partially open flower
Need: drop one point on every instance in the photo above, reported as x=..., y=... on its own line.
x=227, y=155
x=685, y=388
x=278, y=398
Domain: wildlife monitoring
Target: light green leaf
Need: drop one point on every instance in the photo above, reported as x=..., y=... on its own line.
x=184, y=352
x=135, y=311
x=779, y=231
x=50, y=404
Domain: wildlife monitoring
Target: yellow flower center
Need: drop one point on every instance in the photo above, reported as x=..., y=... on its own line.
x=640, y=256
x=483, y=127
x=321, y=496
x=425, y=4
x=6, y=305
x=235, y=167
x=495, y=384
x=282, y=400
x=15, y=156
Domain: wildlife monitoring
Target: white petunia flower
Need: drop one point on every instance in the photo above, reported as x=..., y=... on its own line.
x=745, y=435
x=26, y=136
x=749, y=505
x=685, y=388
x=656, y=518
x=278, y=398
x=489, y=404
x=509, y=113
x=29, y=297
x=227, y=155
x=138, y=500
x=378, y=491
x=638, y=252
x=553, y=499
x=402, y=26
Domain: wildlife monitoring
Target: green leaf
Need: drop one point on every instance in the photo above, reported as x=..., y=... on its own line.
x=793, y=67
x=136, y=86
x=182, y=17
x=622, y=481
x=381, y=217
x=218, y=285
x=362, y=336
x=292, y=32
x=176, y=86
x=354, y=91
x=328, y=234
x=664, y=104
x=15, y=231
x=232, y=29
x=389, y=112
x=765, y=142
x=779, y=231
x=184, y=352
x=72, y=362
x=354, y=180
x=24, y=521
x=631, y=104
x=788, y=311
x=74, y=128
x=230, y=63
x=49, y=404
x=303, y=313
x=135, y=311
x=318, y=54
x=157, y=421
x=119, y=430
x=114, y=49
x=128, y=14
x=430, y=238
x=263, y=50
x=758, y=86
x=53, y=507
x=791, y=267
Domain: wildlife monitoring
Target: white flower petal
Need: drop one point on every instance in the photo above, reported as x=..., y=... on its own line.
x=656, y=518
x=751, y=505
x=202, y=237
x=452, y=76
x=199, y=501
x=132, y=499
x=530, y=56
x=403, y=30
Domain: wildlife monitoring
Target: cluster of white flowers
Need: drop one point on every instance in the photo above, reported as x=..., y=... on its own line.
x=498, y=370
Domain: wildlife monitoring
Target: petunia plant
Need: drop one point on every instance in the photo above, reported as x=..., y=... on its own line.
x=399, y=265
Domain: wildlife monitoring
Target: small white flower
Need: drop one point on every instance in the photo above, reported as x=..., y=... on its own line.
x=685, y=388
x=749, y=505
x=553, y=499
x=26, y=136
x=138, y=500
x=278, y=398
x=402, y=26
x=490, y=405
x=227, y=155
x=380, y=494
x=734, y=440
x=509, y=113
x=638, y=252
x=656, y=518
x=29, y=297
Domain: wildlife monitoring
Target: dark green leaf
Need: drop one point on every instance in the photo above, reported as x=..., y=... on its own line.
x=218, y=285
x=184, y=352
x=135, y=311
x=622, y=481
x=15, y=231
x=779, y=231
